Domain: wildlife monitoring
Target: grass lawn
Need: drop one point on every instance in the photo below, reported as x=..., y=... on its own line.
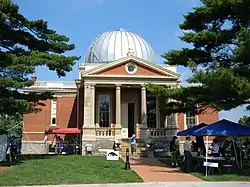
x=235, y=176
x=41, y=170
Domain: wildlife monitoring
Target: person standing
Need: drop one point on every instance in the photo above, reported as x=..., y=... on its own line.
x=174, y=150
x=133, y=145
x=187, y=154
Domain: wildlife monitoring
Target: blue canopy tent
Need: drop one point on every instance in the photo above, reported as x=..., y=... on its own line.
x=189, y=131
x=223, y=128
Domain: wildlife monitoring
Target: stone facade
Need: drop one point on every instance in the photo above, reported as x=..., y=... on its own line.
x=34, y=147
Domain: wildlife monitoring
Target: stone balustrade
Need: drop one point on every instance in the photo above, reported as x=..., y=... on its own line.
x=157, y=132
x=105, y=132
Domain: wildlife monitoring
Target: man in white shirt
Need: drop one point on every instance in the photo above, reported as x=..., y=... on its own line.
x=187, y=154
x=215, y=148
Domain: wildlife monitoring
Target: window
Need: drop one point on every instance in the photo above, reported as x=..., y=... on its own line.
x=131, y=68
x=53, y=121
x=151, y=111
x=104, y=110
x=53, y=111
x=191, y=120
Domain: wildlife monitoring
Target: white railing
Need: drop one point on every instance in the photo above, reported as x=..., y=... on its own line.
x=53, y=84
x=157, y=132
x=105, y=132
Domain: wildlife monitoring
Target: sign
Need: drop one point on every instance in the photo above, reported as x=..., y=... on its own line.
x=112, y=155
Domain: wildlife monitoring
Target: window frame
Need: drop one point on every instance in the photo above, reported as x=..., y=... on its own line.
x=187, y=117
x=99, y=95
x=156, y=111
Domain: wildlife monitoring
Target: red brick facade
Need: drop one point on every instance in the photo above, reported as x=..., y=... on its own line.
x=36, y=124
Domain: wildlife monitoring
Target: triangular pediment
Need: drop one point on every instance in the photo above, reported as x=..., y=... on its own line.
x=131, y=66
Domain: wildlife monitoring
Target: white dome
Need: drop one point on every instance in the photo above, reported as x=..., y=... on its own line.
x=114, y=45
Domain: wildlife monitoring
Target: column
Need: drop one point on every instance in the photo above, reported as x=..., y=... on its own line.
x=93, y=105
x=118, y=107
x=88, y=131
x=144, y=128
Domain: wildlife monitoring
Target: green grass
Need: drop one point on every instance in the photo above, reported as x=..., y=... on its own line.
x=235, y=176
x=43, y=170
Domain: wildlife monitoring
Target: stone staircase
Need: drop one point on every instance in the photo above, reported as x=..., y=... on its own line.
x=141, y=148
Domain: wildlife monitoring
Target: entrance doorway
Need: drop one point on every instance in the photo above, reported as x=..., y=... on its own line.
x=131, y=119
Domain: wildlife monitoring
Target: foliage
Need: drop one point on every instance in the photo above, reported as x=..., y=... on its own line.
x=11, y=124
x=25, y=45
x=245, y=120
x=218, y=31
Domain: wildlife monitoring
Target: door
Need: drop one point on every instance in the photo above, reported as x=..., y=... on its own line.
x=131, y=119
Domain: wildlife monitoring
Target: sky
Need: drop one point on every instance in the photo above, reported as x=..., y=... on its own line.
x=82, y=20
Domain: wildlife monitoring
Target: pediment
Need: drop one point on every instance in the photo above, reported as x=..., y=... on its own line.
x=132, y=66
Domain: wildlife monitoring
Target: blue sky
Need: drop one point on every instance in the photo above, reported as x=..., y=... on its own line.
x=82, y=20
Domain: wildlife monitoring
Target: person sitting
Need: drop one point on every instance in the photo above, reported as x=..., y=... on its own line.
x=215, y=148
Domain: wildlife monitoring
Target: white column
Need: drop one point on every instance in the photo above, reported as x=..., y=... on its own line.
x=93, y=105
x=118, y=107
x=144, y=128
x=143, y=107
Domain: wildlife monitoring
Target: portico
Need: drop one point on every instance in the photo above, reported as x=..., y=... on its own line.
x=116, y=103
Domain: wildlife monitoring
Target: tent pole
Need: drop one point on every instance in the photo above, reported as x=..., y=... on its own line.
x=206, y=153
x=240, y=156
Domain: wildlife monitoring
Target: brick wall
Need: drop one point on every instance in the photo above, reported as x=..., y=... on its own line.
x=208, y=117
x=35, y=124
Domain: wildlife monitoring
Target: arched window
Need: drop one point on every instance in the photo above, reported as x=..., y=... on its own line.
x=104, y=110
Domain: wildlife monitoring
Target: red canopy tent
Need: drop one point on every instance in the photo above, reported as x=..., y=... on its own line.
x=64, y=131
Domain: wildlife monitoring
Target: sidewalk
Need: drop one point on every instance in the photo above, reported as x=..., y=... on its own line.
x=152, y=170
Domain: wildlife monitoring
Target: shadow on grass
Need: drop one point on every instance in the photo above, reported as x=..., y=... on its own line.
x=24, y=158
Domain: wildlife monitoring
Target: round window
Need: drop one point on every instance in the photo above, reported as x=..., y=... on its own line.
x=131, y=68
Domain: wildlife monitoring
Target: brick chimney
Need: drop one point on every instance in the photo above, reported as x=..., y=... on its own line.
x=34, y=78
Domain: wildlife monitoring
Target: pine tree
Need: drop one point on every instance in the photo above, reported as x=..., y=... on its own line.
x=218, y=31
x=24, y=45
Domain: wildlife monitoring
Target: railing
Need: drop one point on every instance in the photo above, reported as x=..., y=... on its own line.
x=105, y=132
x=53, y=84
x=157, y=132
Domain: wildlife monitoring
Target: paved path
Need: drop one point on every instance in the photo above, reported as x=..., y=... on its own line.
x=152, y=170
x=164, y=184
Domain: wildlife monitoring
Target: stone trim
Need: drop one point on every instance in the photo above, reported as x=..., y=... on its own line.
x=136, y=60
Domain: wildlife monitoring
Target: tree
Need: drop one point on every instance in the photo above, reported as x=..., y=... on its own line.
x=11, y=124
x=25, y=45
x=218, y=31
x=245, y=120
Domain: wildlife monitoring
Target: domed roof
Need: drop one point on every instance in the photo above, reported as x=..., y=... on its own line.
x=114, y=45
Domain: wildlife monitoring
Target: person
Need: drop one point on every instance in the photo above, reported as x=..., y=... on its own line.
x=174, y=150
x=201, y=145
x=215, y=148
x=187, y=154
x=194, y=146
x=59, y=144
x=13, y=148
x=133, y=145
x=150, y=149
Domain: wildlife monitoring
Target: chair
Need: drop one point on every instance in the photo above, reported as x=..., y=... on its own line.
x=230, y=163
